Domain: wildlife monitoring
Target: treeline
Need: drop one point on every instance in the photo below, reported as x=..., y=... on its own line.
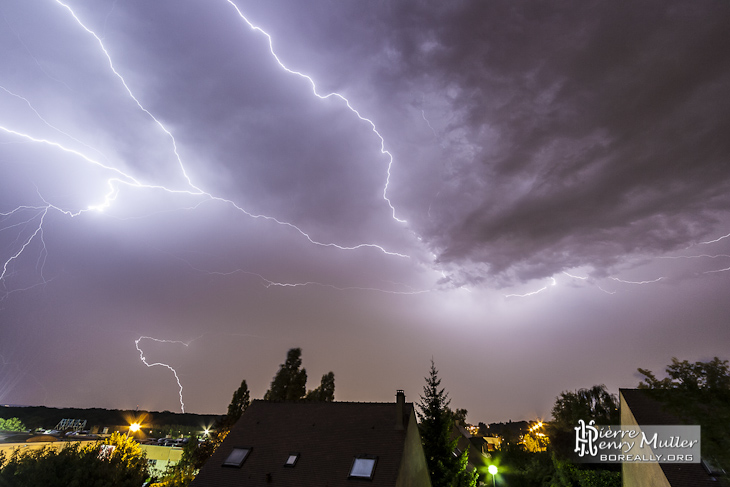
x=34, y=417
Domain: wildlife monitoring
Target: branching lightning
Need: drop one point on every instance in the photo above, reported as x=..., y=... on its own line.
x=583, y=278
x=118, y=179
x=122, y=178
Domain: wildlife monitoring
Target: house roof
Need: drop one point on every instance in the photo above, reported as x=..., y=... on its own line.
x=649, y=411
x=328, y=436
x=646, y=409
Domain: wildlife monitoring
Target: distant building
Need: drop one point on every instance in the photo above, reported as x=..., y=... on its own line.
x=161, y=457
x=158, y=457
x=320, y=444
x=637, y=409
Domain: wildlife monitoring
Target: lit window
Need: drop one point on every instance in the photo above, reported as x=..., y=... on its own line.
x=237, y=457
x=363, y=467
x=291, y=459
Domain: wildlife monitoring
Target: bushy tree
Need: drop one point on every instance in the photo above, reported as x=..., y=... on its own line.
x=458, y=415
x=567, y=474
x=595, y=403
x=447, y=469
x=698, y=393
x=712, y=376
x=326, y=390
x=290, y=382
x=116, y=461
x=12, y=424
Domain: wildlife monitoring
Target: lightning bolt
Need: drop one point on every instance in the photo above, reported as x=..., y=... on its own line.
x=383, y=150
x=705, y=256
x=715, y=240
x=45, y=122
x=119, y=178
x=544, y=288
x=171, y=369
x=193, y=190
x=423, y=114
x=583, y=278
x=38, y=232
x=651, y=281
x=268, y=283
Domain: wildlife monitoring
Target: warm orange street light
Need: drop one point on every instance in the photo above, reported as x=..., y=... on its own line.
x=133, y=428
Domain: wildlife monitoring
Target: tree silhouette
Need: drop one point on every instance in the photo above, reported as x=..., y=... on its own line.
x=290, y=382
x=446, y=466
x=326, y=390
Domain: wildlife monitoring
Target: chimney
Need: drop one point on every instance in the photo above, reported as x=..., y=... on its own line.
x=400, y=402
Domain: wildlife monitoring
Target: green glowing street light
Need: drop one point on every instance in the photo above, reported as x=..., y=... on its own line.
x=493, y=470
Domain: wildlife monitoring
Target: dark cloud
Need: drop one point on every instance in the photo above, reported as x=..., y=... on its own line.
x=571, y=133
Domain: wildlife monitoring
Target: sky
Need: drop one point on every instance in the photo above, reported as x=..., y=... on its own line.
x=534, y=195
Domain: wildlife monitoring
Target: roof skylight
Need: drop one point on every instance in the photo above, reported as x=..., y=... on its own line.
x=237, y=457
x=363, y=467
x=291, y=459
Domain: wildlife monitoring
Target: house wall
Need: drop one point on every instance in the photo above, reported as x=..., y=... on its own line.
x=639, y=474
x=413, y=470
x=160, y=457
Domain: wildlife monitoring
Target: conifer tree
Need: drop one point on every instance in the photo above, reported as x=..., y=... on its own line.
x=447, y=469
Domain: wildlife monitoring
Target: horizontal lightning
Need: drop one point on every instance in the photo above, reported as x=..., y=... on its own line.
x=526, y=295
x=268, y=283
x=652, y=281
x=583, y=278
x=715, y=240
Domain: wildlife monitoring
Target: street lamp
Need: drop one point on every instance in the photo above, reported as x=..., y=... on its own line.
x=133, y=428
x=493, y=470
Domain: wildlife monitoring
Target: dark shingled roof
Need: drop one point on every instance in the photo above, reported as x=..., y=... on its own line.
x=327, y=435
x=647, y=410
